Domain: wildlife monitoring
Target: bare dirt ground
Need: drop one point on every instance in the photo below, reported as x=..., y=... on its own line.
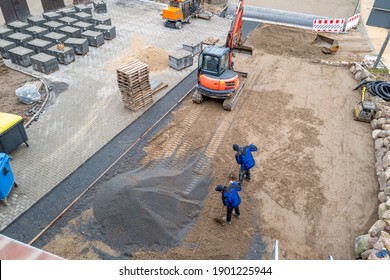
x=10, y=80
x=314, y=187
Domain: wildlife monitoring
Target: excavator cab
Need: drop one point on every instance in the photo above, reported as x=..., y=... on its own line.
x=214, y=61
x=215, y=79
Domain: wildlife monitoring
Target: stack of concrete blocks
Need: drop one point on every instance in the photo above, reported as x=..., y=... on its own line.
x=94, y=38
x=376, y=243
x=39, y=45
x=36, y=31
x=20, y=39
x=96, y=20
x=84, y=26
x=134, y=84
x=44, y=63
x=185, y=57
x=71, y=32
x=76, y=28
x=108, y=31
x=64, y=55
x=67, y=20
x=82, y=8
x=67, y=12
x=100, y=7
x=79, y=45
x=18, y=26
x=51, y=16
x=21, y=56
x=36, y=21
x=5, y=32
x=5, y=46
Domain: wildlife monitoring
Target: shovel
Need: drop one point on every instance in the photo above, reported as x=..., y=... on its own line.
x=231, y=176
x=220, y=220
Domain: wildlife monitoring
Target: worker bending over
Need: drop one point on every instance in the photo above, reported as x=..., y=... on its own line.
x=231, y=199
x=246, y=161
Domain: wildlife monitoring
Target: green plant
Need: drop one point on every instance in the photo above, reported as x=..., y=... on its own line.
x=379, y=71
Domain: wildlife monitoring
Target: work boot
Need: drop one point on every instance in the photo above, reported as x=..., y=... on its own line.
x=229, y=223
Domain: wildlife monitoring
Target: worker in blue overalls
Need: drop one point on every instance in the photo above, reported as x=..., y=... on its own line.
x=246, y=161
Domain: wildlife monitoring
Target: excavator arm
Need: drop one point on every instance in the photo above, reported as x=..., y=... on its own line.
x=234, y=38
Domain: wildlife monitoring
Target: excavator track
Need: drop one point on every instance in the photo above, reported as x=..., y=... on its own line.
x=228, y=104
x=197, y=97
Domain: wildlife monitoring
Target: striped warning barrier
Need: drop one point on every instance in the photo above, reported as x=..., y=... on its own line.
x=333, y=25
x=352, y=22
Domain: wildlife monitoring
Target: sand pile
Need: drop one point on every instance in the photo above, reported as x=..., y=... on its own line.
x=156, y=58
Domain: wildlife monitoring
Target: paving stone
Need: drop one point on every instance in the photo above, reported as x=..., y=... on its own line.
x=70, y=124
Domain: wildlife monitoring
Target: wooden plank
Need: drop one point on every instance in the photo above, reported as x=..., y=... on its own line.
x=159, y=87
x=37, y=84
x=210, y=41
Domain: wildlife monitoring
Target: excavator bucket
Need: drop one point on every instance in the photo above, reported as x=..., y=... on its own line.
x=328, y=45
x=243, y=49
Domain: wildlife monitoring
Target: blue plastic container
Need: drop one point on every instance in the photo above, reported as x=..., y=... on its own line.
x=7, y=180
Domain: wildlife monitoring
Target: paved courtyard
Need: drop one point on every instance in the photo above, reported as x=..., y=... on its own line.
x=86, y=109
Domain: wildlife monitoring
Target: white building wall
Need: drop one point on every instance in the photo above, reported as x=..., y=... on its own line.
x=35, y=7
x=2, y=20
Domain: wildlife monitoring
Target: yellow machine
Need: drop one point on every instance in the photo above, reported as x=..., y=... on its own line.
x=181, y=11
x=365, y=110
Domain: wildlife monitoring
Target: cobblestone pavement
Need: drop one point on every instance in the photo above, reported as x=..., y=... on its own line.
x=86, y=111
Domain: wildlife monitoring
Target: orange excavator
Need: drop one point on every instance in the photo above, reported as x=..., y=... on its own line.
x=216, y=76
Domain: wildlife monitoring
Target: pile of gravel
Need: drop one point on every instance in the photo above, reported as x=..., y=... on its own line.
x=149, y=209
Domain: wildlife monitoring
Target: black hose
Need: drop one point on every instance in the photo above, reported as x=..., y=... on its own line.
x=377, y=88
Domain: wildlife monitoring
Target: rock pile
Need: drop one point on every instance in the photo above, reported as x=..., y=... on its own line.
x=376, y=243
x=360, y=73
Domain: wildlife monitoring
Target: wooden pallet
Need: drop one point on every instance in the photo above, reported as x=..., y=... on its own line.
x=210, y=41
x=135, y=106
x=38, y=84
x=133, y=82
x=156, y=86
x=134, y=67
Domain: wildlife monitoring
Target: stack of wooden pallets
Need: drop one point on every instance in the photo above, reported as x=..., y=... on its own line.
x=133, y=82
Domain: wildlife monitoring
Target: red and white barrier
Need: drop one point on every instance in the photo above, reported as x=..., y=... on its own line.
x=352, y=22
x=333, y=25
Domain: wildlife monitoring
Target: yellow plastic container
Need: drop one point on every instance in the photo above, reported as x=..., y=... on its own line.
x=12, y=132
x=7, y=121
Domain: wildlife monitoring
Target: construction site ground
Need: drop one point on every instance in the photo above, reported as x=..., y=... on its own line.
x=10, y=80
x=313, y=188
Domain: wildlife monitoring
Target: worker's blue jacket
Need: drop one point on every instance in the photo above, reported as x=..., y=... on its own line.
x=230, y=197
x=244, y=157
